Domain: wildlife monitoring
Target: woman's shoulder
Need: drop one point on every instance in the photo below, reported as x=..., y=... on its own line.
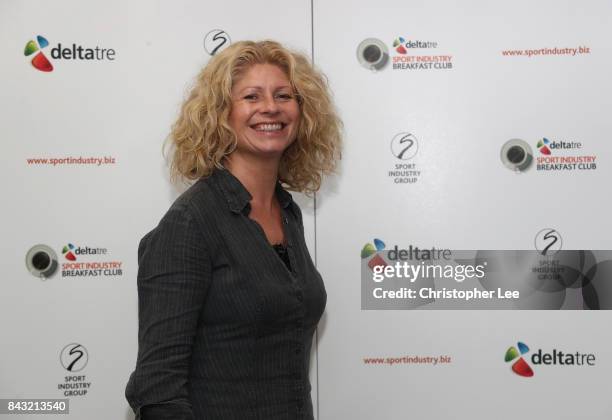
x=191, y=215
x=198, y=204
x=199, y=192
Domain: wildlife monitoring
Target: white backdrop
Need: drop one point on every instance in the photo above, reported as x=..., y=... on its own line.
x=461, y=195
x=464, y=198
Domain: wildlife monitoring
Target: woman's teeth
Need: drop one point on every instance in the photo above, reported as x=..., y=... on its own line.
x=268, y=127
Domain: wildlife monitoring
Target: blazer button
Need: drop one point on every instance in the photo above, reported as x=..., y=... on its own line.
x=299, y=296
x=298, y=350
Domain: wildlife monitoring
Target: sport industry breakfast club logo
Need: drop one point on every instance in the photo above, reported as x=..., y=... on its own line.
x=563, y=155
x=79, y=261
x=409, y=54
x=520, y=366
x=554, y=155
x=92, y=267
x=74, y=52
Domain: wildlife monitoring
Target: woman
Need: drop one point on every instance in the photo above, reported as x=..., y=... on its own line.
x=229, y=297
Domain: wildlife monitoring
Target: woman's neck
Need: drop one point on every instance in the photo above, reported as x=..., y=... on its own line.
x=259, y=177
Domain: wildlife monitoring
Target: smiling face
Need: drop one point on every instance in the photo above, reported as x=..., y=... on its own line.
x=265, y=113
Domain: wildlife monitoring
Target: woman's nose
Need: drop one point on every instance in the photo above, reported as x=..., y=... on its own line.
x=269, y=104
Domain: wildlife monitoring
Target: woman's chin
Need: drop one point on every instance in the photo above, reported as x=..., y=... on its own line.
x=268, y=147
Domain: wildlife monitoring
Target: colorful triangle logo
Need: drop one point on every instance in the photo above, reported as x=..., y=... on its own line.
x=39, y=61
x=398, y=44
x=543, y=146
x=67, y=251
x=520, y=366
x=368, y=250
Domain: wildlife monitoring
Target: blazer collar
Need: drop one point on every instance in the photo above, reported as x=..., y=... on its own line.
x=237, y=196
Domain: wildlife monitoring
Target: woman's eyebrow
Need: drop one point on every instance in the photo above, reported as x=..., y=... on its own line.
x=261, y=88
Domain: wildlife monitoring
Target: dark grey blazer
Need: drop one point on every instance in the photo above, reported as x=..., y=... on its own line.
x=225, y=328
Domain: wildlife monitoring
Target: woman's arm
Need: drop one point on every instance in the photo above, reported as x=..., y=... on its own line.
x=173, y=276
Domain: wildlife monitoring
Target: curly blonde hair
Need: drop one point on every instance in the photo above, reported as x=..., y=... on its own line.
x=201, y=137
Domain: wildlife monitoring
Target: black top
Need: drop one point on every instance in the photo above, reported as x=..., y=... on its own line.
x=225, y=327
x=281, y=250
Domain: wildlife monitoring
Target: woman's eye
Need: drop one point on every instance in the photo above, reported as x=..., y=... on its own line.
x=251, y=97
x=284, y=96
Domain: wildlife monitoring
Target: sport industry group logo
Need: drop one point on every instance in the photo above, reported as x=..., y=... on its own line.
x=73, y=53
x=74, y=358
x=521, y=367
x=216, y=41
x=404, y=147
x=548, y=242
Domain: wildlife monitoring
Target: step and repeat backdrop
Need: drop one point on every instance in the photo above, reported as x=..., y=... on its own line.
x=89, y=92
x=475, y=151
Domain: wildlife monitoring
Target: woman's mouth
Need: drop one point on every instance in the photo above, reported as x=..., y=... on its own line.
x=268, y=127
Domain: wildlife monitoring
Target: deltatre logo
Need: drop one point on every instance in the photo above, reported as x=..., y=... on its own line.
x=552, y=358
x=70, y=251
x=545, y=145
x=402, y=46
x=64, y=52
